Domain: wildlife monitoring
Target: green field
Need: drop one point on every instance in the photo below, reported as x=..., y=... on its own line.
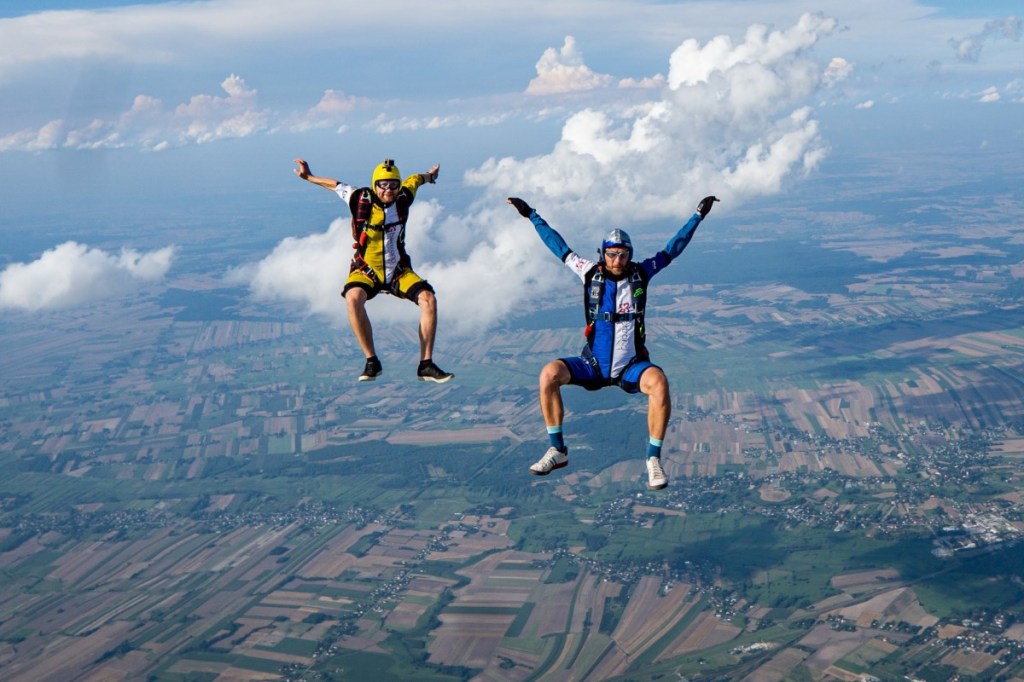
x=212, y=488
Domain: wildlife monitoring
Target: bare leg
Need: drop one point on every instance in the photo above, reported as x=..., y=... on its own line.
x=554, y=375
x=654, y=385
x=428, y=323
x=355, y=299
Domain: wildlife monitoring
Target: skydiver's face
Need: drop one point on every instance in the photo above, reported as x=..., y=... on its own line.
x=616, y=258
x=387, y=190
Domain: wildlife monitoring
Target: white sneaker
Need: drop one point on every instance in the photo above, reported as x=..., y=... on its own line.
x=656, y=478
x=552, y=459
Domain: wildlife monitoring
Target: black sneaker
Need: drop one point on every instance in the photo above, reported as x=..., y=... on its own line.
x=372, y=370
x=428, y=371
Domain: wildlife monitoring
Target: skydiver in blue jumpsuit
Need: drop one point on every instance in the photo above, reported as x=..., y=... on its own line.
x=615, y=293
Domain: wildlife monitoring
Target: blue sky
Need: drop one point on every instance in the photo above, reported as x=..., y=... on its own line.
x=600, y=112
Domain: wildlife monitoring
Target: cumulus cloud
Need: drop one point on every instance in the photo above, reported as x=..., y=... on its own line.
x=730, y=111
x=1015, y=90
x=205, y=118
x=693, y=63
x=837, y=70
x=561, y=71
x=149, y=124
x=310, y=271
x=332, y=109
x=732, y=120
x=968, y=49
x=307, y=271
x=655, y=81
x=989, y=95
x=385, y=124
x=74, y=273
x=49, y=136
x=866, y=104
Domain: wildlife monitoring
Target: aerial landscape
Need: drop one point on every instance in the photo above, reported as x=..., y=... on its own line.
x=196, y=487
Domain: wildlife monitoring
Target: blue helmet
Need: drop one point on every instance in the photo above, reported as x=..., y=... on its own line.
x=616, y=237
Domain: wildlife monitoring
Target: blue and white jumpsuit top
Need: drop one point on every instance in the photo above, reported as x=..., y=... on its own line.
x=614, y=340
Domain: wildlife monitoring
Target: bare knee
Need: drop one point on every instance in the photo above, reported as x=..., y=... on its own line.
x=355, y=299
x=555, y=373
x=427, y=300
x=654, y=384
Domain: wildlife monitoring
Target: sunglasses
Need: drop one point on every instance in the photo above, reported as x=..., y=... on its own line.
x=387, y=184
x=612, y=255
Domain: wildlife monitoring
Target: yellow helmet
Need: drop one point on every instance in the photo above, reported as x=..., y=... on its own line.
x=386, y=171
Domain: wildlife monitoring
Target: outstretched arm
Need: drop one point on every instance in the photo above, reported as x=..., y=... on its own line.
x=682, y=238
x=431, y=175
x=303, y=172
x=551, y=239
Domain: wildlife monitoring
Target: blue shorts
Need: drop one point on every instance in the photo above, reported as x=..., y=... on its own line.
x=584, y=374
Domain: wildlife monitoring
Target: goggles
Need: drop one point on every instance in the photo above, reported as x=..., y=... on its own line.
x=612, y=255
x=387, y=184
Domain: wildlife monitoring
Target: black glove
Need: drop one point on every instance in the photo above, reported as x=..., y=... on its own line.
x=521, y=206
x=704, y=207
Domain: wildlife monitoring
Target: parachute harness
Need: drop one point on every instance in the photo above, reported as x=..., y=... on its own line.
x=361, y=205
x=593, y=294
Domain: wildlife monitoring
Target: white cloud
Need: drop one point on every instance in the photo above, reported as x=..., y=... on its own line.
x=837, y=70
x=765, y=164
x=384, y=124
x=48, y=136
x=866, y=104
x=731, y=111
x=206, y=118
x=310, y=38
x=306, y=270
x=334, y=106
x=73, y=273
x=1012, y=92
x=310, y=271
x=144, y=42
x=147, y=124
x=732, y=122
x=158, y=33
x=492, y=119
x=692, y=63
x=561, y=71
x=989, y=95
x=655, y=81
x=968, y=49
x=239, y=98
x=1015, y=90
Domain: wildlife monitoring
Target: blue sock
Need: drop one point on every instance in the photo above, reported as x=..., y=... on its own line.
x=555, y=436
x=654, y=447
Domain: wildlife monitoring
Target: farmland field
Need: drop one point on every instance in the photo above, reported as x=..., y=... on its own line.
x=209, y=494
